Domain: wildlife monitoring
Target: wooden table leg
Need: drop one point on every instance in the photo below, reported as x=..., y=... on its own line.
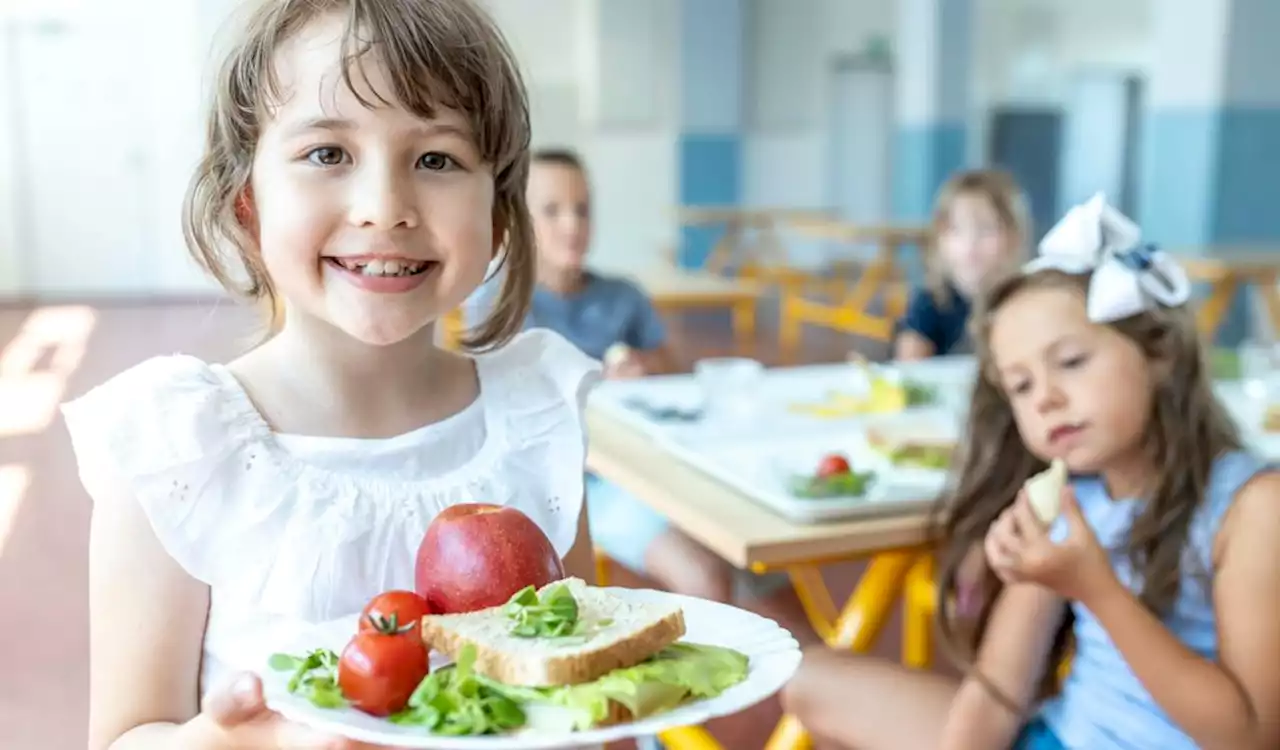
x=1214, y=308
x=744, y=325
x=857, y=627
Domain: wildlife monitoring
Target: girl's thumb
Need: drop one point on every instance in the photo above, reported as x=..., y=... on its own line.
x=236, y=703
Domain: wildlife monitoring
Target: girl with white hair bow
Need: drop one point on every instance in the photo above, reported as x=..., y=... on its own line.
x=1157, y=561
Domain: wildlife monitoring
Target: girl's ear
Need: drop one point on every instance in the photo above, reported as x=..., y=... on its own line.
x=246, y=212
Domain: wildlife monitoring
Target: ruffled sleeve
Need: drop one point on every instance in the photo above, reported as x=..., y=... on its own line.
x=158, y=431
x=540, y=383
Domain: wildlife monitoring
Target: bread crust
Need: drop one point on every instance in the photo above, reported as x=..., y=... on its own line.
x=534, y=670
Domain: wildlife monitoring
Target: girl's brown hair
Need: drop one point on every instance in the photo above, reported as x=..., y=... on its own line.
x=1186, y=430
x=1002, y=192
x=438, y=53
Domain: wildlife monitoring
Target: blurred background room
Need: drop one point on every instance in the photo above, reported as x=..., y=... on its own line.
x=765, y=169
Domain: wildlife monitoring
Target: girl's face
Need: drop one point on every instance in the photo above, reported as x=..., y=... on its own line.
x=560, y=203
x=974, y=242
x=373, y=220
x=1080, y=391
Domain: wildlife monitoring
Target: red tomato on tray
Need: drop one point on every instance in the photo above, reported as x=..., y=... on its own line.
x=382, y=666
x=833, y=465
x=406, y=607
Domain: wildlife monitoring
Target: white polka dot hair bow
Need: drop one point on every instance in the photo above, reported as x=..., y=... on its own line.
x=1128, y=276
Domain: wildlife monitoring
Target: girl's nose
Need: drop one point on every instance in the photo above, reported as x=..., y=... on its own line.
x=383, y=199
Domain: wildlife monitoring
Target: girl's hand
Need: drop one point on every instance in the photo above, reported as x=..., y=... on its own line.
x=237, y=718
x=1019, y=549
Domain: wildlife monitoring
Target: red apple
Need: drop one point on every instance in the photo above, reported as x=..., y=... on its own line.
x=477, y=555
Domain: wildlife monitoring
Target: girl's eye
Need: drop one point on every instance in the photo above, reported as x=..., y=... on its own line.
x=1074, y=361
x=326, y=156
x=436, y=162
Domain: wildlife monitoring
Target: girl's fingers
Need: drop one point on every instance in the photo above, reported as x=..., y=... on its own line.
x=1025, y=520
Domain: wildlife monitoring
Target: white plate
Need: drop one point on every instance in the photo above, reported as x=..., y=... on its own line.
x=773, y=653
x=762, y=467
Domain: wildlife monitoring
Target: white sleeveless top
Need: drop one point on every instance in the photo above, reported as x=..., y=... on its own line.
x=292, y=530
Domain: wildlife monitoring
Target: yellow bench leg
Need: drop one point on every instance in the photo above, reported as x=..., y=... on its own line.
x=688, y=738
x=918, y=608
x=857, y=627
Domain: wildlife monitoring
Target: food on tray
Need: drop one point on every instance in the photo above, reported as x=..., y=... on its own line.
x=834, y=477
x=1271, y=419
x=565, y=657
x=885, y=394
x=1044, y=491
x=923, y=449
x=476, y=555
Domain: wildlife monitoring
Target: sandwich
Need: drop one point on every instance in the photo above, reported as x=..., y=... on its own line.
x=1044, y=491
x=570, y=657
x=920, y=449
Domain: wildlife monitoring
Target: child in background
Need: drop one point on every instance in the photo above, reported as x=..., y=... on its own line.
x=1163, y=567
x=980, y=227
x=364, y=163
x=597, y=312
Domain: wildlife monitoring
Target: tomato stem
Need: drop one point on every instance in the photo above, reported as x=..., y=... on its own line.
x=388, y=625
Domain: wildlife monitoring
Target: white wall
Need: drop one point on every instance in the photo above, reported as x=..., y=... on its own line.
x=579, y=60
x=10, y=263
x=603, y=79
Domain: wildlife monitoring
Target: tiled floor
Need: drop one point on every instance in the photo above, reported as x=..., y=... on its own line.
x=57, y=352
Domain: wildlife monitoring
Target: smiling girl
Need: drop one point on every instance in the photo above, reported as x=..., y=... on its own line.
x=365, y=161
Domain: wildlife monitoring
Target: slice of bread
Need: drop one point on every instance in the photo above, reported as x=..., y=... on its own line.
x=617, y=634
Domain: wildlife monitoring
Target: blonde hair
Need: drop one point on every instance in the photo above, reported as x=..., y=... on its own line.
x=438, y=53
x=1002, y=192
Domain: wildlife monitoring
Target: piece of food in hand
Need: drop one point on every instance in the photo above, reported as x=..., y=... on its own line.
x=600, y=660
x=617, y=354
x=406, y=608
x=1044, y=491
x=477, y=555
x=382, y=666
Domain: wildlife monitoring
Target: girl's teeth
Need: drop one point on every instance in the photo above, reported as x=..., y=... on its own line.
x=385, y=267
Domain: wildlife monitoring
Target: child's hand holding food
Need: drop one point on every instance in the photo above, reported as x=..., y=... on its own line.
x=1019, y=546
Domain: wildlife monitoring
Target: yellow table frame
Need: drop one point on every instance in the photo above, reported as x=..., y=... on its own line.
x=849, y=314
x=1226, y=278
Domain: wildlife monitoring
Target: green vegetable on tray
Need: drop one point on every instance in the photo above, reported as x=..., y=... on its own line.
x=833, y=478
x=919, y=394
x=845, y=485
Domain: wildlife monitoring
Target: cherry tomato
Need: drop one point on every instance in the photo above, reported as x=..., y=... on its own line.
x=380, y=668
x=833, y=465
x=405, y=606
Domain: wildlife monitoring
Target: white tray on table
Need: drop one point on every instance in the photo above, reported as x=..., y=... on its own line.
x=761, y=468
x=639, y=403
x=773, y=657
